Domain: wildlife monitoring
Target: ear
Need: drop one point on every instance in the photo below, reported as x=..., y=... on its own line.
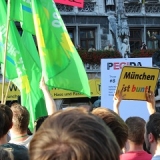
x=11, y=125
x=151, y=137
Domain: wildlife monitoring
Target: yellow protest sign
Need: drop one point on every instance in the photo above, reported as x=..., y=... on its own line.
x=95, y=86
x=135, y=81
x=13, y=91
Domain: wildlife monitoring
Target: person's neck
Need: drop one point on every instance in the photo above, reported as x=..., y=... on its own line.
x=156, y=149
x=3, y=140
x=131, y=146
x=18, y=136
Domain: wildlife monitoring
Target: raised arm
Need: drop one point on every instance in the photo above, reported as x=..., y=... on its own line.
x=150, y=102
x=118, y=97
x=50, y=103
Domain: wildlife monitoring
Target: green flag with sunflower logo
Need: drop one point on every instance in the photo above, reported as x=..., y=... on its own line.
x=61, y=65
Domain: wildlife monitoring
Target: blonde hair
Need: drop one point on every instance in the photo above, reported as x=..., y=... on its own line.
x=74, y=134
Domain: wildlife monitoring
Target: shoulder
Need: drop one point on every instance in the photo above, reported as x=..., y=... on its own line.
x=156, y=157
x=136, y=155
x=14, y=146
x=23, y=143
x=125, y=156
x=147, y=156
x=20, y=152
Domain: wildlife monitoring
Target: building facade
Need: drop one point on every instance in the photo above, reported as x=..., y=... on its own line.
x=90, y=26
x=144, y=23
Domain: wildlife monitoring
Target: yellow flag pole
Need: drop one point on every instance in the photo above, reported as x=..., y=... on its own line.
x=5, y=53
x=7, y=92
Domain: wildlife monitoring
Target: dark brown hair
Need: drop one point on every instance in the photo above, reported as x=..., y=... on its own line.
x=115, y=123
x=5, y=119
x=153, y=125
x=136, y=129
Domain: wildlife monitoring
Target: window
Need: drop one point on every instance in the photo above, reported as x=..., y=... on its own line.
x=88, y=7
x=87, y=38
x=135, y=39
x=152, y=1
x=153, y=37
x=71, y=33
x=133, y=1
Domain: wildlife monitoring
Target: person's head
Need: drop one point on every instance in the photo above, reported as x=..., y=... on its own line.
x=5, y=119
x=110, y=46
x=6, y=154
x=125, y=40
x=136, y=130
x=39, y=122
x=74, y=134
x=115, y=123
x=19, y=152
x=20, y=118
x=152, y=132
x=87, y=107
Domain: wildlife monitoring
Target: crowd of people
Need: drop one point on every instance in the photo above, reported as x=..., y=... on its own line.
x=80, y=133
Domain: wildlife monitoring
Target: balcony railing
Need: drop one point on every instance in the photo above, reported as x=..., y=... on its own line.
x=88, y=7
x=137, y=8
x=64, y=8
x=152, y=8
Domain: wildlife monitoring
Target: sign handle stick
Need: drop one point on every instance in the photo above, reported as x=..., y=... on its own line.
x=7, y=92
x=5, y=53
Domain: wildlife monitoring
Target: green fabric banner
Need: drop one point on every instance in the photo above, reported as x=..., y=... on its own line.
x=21, y=11
x=22, y=54
x=61, y=64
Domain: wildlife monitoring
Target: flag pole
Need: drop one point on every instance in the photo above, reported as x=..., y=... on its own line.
x=7, y=92
x=5, y=53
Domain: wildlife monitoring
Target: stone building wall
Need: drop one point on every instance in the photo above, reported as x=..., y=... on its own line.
x=90, y=21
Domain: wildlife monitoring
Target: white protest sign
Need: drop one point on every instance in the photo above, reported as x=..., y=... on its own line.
x=110, y=73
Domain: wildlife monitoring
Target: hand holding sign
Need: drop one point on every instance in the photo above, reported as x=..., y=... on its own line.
x=150, y=98
x=118, y=97
x=135, y=81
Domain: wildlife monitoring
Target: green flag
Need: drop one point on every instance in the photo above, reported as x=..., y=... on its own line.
x=61, y=64
x=30, y=46
x=21, y=11
x=16, y=10
x=23, y=65
x=27, y=21
x=14, y=60
x=12, y=46
x=34, y=99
